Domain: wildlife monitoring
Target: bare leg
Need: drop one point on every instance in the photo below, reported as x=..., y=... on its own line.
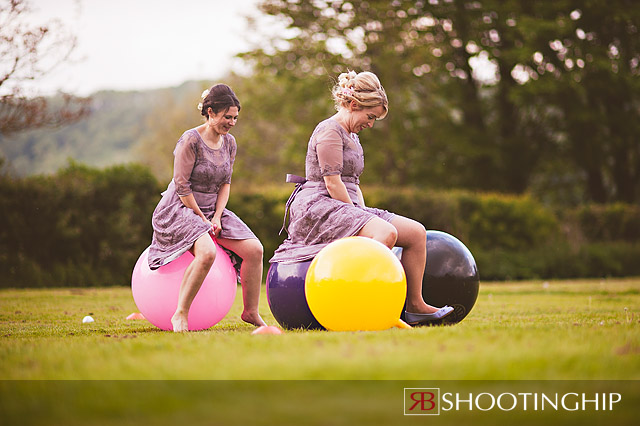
x=204, y=252
x=251, y=252
x=412, y=237
x=381, y=231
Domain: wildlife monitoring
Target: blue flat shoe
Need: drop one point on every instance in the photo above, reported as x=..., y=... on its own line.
x=425, y=318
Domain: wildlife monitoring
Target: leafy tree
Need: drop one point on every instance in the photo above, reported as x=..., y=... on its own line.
x=27, y=53
x=436, y=108
x=586, y=68
x=544, y=102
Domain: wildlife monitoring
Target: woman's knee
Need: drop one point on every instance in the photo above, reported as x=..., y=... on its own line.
x=206, y=256
x=410, y=232
x=249, y=250
x=420, y=233
x=254, y=250
x=204, y=251
x=392, y=236
x=381, y=231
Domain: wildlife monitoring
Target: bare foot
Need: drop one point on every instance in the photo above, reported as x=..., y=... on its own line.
x=252, y=318
x=179, y=323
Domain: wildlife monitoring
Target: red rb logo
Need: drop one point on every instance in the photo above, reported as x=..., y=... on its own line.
x=421, y=401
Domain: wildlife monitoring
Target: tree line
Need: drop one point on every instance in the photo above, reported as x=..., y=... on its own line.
x=517, y=97
x=492, y=95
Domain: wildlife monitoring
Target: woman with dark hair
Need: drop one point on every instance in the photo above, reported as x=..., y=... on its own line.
x=193, y=206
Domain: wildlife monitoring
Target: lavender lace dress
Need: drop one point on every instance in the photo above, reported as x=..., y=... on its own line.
x=316, y=219
x=201, y=171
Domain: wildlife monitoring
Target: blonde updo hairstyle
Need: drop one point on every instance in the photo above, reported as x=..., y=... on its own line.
x=364, y=88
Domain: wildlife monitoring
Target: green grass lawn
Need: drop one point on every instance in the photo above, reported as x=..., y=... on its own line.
x=524, y=331
x=528, y=330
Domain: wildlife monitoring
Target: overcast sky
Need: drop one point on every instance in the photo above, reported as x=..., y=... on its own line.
x=142, y=44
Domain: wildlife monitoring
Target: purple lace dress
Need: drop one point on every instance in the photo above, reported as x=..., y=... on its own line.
x=316, y=219
x=201, y=171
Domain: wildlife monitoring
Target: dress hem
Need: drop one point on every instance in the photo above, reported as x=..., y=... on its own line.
x=168, y=259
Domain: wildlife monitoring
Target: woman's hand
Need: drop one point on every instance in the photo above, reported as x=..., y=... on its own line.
x=217, y=226
x=221, y=202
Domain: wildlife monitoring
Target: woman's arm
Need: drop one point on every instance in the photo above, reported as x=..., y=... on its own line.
x=183, y=163
x=221, y=203
x=360, y=196
x=190, y=201
x=329, y=147
x=337, y=189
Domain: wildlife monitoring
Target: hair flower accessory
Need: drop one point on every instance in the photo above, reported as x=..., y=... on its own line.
x=205, y=94
x=200, y=107
x=348, y=92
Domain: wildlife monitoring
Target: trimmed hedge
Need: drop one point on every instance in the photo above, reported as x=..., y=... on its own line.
x=80, y=227
x=511, y=237
x=87, y=227
x=611, y=222
x=607, y=259
x=479, y=220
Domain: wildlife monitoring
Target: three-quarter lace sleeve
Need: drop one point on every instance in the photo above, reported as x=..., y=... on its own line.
x=329, y=150
x=183, y=162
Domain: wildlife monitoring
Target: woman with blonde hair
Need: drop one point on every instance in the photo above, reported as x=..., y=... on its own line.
x=328, y=204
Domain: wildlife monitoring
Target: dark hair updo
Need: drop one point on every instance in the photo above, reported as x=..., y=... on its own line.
x=219, y=97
